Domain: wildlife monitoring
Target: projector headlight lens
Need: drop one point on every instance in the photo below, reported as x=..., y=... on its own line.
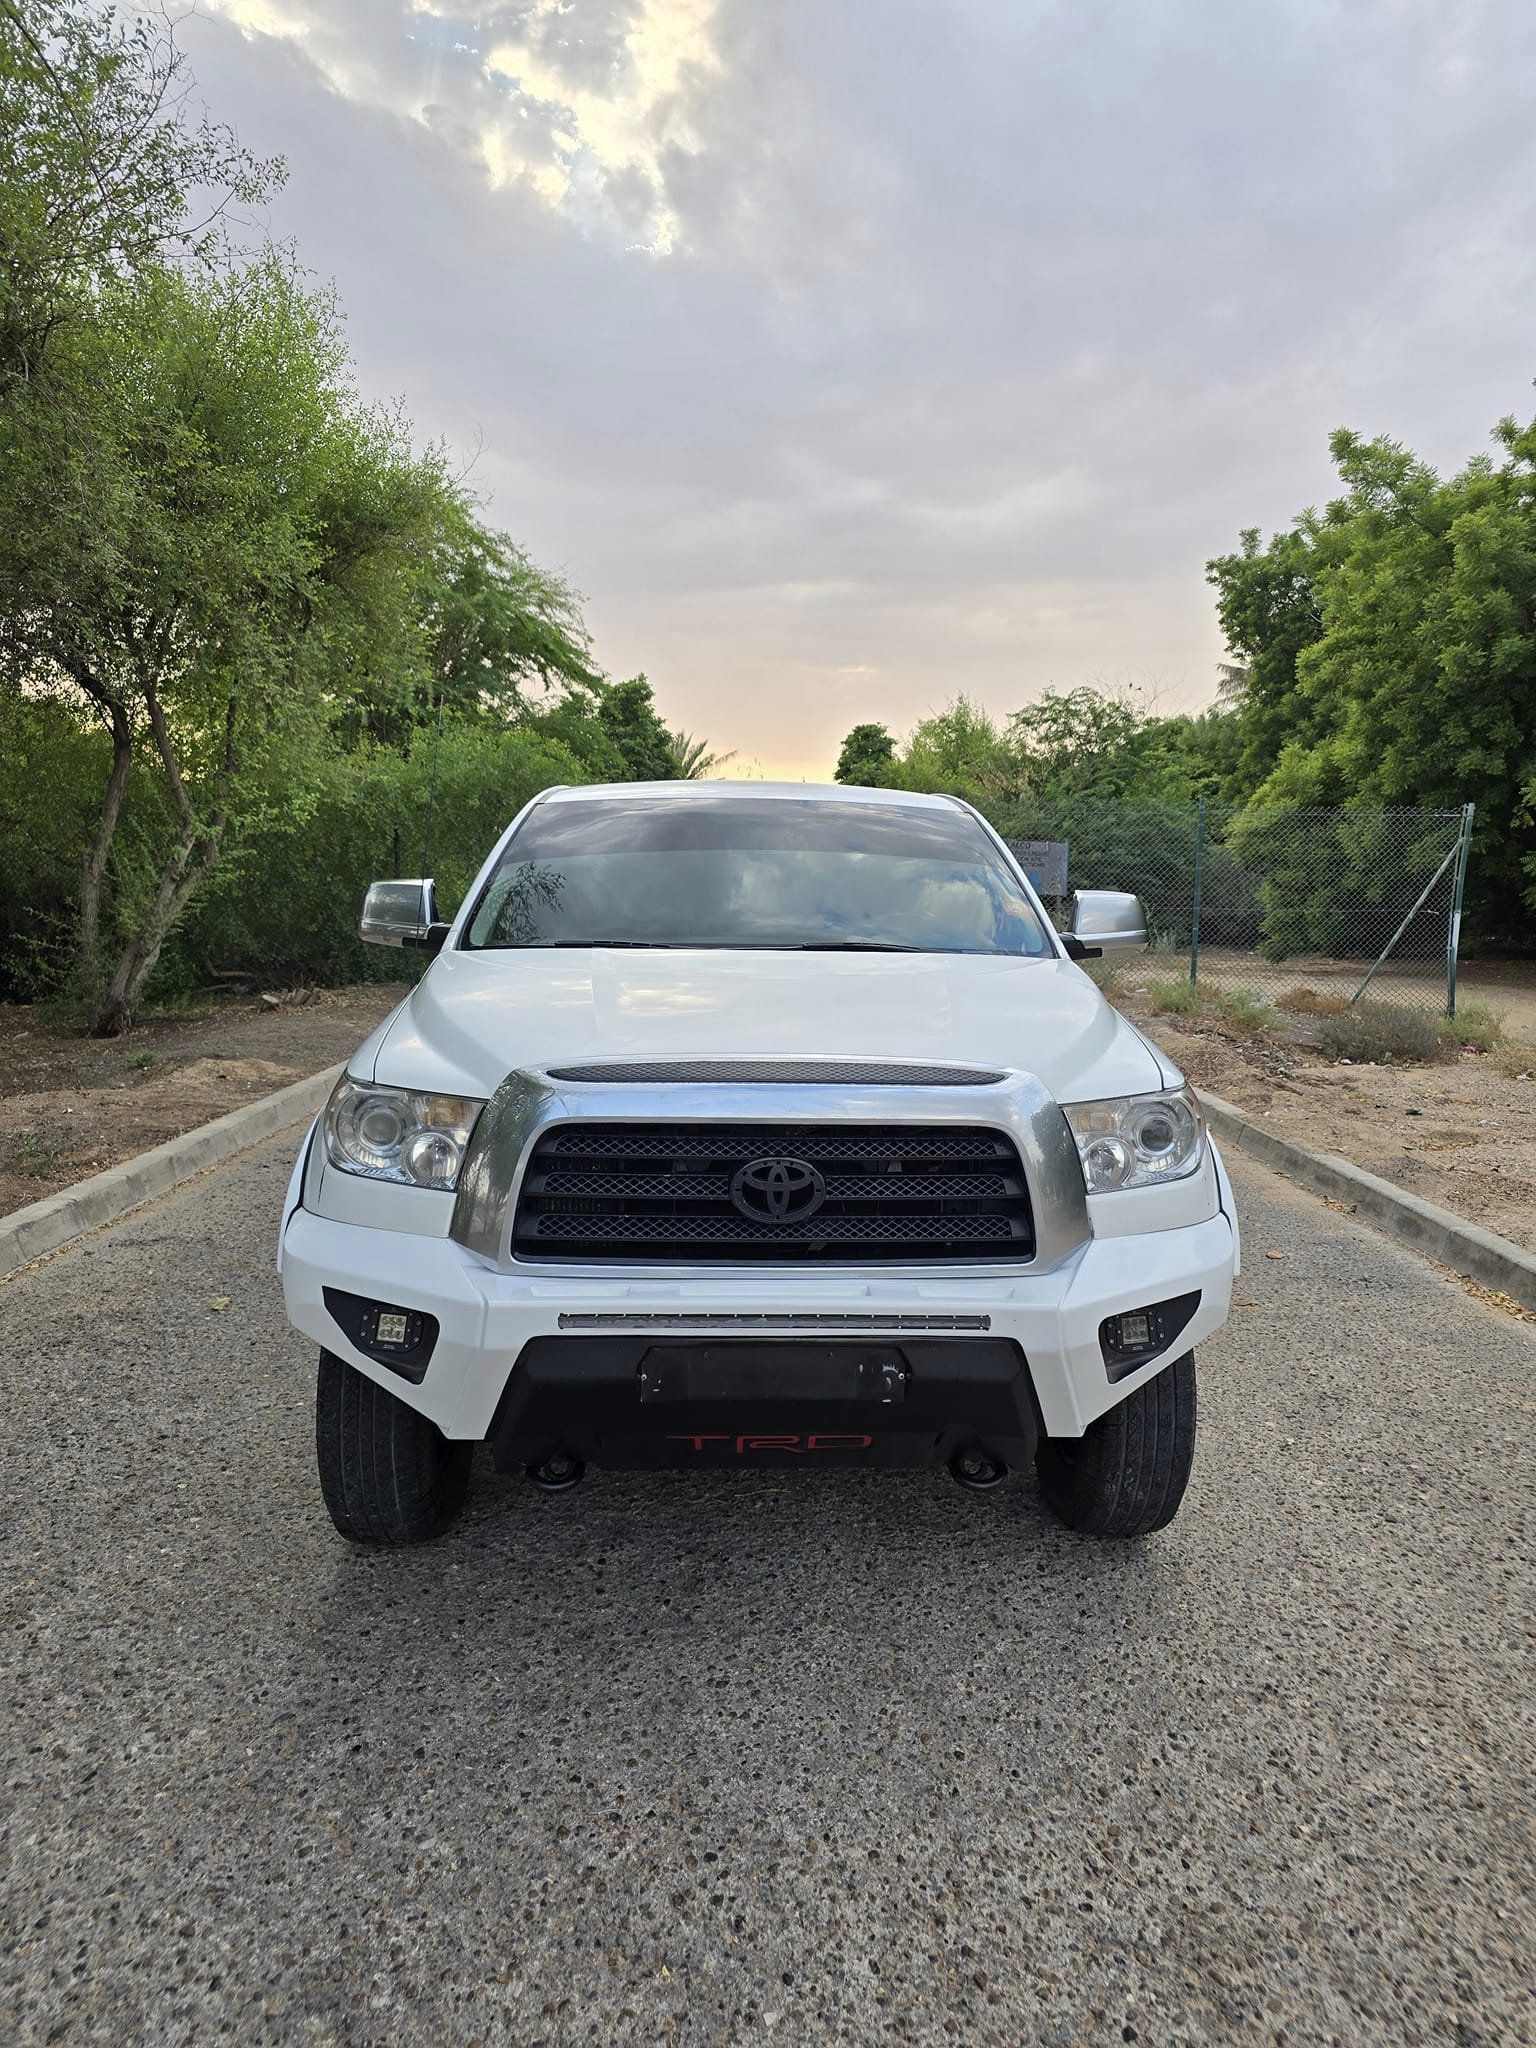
x=1137, y=1140
x=396, y=1134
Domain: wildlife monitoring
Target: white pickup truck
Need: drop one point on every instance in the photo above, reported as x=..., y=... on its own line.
x=741, y=1124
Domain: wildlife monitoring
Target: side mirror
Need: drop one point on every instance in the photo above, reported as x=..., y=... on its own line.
x=402, y=914
x=1112, y=920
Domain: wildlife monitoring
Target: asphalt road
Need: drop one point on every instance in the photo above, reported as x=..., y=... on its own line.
x=840, y=1758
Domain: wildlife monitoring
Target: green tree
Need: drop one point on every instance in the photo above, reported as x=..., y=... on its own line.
x=694, y=757
x=627, y=714
x=866, y=757
x=1076, y=741
x=1270, y=609
x=99, y=153
x=285, y=896
x=205, y=528
x=1394, y=660
x=497, y=633
x=960, y=751
x=215, y=560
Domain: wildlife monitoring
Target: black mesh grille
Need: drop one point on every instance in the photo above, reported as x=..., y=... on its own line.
x=664, y=1191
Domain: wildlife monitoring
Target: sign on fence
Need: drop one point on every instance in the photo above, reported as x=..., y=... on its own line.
x=1045, y=863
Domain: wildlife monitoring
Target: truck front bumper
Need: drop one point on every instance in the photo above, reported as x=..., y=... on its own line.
x=486, y=1317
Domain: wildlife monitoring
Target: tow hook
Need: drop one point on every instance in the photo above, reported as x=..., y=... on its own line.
x=977, y=1472
x=557, y=1473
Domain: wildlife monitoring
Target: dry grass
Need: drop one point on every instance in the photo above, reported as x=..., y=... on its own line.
x=1515, y=1057
x=1383, y=1033
x=1312, y=1002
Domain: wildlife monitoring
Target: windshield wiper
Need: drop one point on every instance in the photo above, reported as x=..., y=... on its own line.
x=646, y=945
x=857, y=946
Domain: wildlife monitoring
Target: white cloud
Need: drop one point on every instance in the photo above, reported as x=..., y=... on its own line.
x=580, y=104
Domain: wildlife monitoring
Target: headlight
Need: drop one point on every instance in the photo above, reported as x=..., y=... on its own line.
x=1137, y=1140
x=394, y=1134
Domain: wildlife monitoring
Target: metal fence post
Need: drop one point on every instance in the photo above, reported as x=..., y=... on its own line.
x=1194, y=908
x=1453, y=933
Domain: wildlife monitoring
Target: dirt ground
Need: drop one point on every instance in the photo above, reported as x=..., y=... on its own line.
x=1508, y=986
x=1461, y=1132
x=70, y=1106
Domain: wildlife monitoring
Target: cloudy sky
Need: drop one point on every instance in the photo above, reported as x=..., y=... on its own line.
x=845, y=356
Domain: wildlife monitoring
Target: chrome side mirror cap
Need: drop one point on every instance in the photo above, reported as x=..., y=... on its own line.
x=402, y=914
x=1114, y=920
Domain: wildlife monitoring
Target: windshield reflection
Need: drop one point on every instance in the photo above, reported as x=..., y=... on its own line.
x=757, y=898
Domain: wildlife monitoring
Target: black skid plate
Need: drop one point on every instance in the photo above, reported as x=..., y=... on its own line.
x=633, y=1404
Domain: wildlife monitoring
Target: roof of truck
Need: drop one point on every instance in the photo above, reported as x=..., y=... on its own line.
x=838, y=792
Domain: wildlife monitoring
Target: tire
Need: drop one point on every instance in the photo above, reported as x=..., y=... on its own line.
x=388, y=1475
x=1126, y=1474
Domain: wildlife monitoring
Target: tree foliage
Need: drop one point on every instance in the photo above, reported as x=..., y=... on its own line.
x=100, y=159
x=627, y=717
x=231, y=592
x=1391, y=644
x=866, y=756
x=206, y=530
x=695, y=759
x=1085, y=742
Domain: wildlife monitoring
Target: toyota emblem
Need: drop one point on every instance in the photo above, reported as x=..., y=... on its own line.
x=778, y=1190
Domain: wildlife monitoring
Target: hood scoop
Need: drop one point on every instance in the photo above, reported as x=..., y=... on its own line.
x=778, y=1073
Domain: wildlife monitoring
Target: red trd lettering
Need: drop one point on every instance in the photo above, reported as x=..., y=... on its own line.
x=818, y=1440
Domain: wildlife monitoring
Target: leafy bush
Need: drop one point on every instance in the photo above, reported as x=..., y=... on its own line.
x=1242, y=1011
x=1476, y=1024
x=50, y=794
x=1177, y=996
x=285, y=900
x=1383, y=1032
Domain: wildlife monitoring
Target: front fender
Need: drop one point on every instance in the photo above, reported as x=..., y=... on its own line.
x=295, y=1195
x=1228, y=1205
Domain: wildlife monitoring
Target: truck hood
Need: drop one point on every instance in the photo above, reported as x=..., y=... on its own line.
x=475, y=1016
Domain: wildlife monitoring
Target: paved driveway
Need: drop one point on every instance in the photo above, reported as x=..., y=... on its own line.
x=744, y=1759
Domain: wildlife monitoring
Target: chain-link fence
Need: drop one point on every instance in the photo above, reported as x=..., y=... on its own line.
x=1270, y=899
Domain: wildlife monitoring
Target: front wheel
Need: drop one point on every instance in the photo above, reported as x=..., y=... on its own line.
x=1126, y=1474
x=388, y=1474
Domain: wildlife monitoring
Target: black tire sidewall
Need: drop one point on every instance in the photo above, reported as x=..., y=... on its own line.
x=387, y=1474
x=1127, y=1474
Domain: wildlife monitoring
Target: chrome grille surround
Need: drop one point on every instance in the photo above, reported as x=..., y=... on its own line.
x=529, y=1100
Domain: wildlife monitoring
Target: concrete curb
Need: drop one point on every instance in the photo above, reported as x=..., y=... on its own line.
x=106, y=1197
x=1449, y=1239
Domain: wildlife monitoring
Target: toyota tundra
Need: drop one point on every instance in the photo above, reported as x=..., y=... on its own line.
x=742, y=1125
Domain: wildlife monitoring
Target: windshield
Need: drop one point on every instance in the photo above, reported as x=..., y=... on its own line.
x=755, y=872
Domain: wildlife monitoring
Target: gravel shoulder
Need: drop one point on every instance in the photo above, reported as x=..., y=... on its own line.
x=1461, y=1133
x=847, y=1759
x=72, y=1106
